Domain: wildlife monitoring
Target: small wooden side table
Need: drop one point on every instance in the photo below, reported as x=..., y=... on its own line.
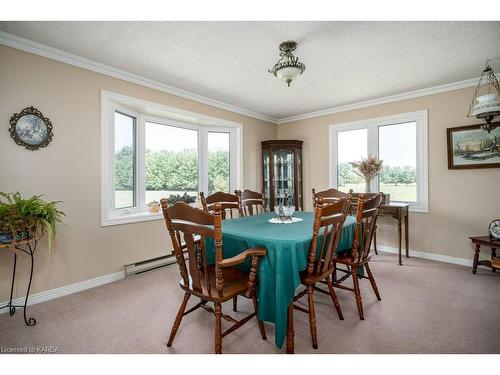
x=400, y=212
x=487, y=242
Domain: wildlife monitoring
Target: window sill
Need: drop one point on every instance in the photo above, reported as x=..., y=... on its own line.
x=137, y=217
x=419, y=210
x=413, y=207
x=131, y=218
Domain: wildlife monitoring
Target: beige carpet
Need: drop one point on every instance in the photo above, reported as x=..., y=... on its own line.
x=426, y=307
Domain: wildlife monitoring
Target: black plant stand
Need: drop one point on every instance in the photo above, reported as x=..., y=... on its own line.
x=28, y=247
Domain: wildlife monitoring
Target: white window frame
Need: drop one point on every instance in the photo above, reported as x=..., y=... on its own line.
x=372, y=125
x=145, y=111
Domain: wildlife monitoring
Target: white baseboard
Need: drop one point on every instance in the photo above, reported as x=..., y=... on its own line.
x=106, y=279
x=65, y=290
x=427, y=255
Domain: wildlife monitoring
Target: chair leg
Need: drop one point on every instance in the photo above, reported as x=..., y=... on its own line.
x=334, y=298
x=357, y=292
x=178, y=318
x=218, y=328
x=259, y=322
x=235, y=303
x=375, y=240
x=334, y=273
x=312, y=317
x=372, y=281
x=289, y=331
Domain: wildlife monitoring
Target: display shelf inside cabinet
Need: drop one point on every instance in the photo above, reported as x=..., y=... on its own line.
x=282, y=172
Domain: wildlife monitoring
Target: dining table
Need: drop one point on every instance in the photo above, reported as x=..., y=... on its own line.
x=287, y=251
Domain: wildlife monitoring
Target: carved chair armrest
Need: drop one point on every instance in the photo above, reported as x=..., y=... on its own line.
x=240, y=258
x=255, y=253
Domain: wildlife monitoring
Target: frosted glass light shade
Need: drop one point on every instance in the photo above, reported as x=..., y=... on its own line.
x=488, y=98
x=486, y=105
x=288, y=74
x=288, y=67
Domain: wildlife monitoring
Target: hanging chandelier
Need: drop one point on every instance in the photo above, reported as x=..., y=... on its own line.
x=288, y=66
x=486, y=107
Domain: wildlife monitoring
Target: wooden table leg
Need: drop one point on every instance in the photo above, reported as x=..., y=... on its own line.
x=406, y=237
x=476, y=258
x=399, y=239
x=289, y=331
x=493, y=255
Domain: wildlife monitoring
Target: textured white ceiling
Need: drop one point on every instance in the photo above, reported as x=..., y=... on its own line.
x=346, y=61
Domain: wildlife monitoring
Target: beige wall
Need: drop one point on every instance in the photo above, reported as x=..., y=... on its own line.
x=69, y=168
x=461, y=202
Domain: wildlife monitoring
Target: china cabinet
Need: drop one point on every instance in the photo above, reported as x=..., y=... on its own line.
x=282, y=172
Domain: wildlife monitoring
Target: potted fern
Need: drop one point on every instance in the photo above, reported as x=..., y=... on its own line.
x=183, y=198
x=26, y=219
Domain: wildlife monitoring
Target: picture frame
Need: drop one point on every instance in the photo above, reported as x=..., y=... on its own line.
x=470, y=147
x=29, y=128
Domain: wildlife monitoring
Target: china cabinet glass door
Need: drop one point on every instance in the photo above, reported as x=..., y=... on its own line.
x=282, y=172
x=298, y=190
x=284, y=176
x=266, y=171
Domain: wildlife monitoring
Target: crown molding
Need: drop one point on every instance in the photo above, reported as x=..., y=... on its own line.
x=384, y=100
x=27, y=45
x=40, y=49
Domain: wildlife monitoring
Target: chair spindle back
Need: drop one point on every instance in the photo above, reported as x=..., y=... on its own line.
x=329, y=196
x=253, y=203
x=355, y=199
x=366, y=220
x=229, y=203
x=329, y=218
x=184, y=223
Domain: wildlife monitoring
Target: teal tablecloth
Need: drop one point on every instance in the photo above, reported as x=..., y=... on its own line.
x=287, y=249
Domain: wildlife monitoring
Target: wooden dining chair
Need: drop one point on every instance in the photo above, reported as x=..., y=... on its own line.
x=329, y=196
x=329, y=220
x=229, y=203
x=355, y=199
x=359, y=256
x=253, y=203
x=354, y=206
x=216, y=283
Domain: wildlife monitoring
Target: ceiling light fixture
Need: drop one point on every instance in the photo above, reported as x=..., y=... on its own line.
x=488, y=105
x=288, y=66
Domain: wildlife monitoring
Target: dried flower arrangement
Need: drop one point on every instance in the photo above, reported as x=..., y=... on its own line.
x=367, y=168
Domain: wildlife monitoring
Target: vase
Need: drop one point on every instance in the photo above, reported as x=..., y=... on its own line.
x=367, y=187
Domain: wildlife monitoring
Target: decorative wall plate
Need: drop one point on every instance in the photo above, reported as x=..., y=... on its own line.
x=30, y=129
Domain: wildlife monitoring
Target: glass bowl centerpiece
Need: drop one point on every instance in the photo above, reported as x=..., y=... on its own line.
x=284, y=209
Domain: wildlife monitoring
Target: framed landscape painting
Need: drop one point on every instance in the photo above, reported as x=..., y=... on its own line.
x=472, y=147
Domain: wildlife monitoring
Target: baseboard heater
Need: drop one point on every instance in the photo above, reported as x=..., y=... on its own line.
x=149, y=265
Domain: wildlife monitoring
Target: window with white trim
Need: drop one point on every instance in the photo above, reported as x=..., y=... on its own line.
x=150, y=151
x=400, y=141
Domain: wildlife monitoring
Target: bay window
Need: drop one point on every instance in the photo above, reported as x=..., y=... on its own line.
x=150, y=151
x=124, y=160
